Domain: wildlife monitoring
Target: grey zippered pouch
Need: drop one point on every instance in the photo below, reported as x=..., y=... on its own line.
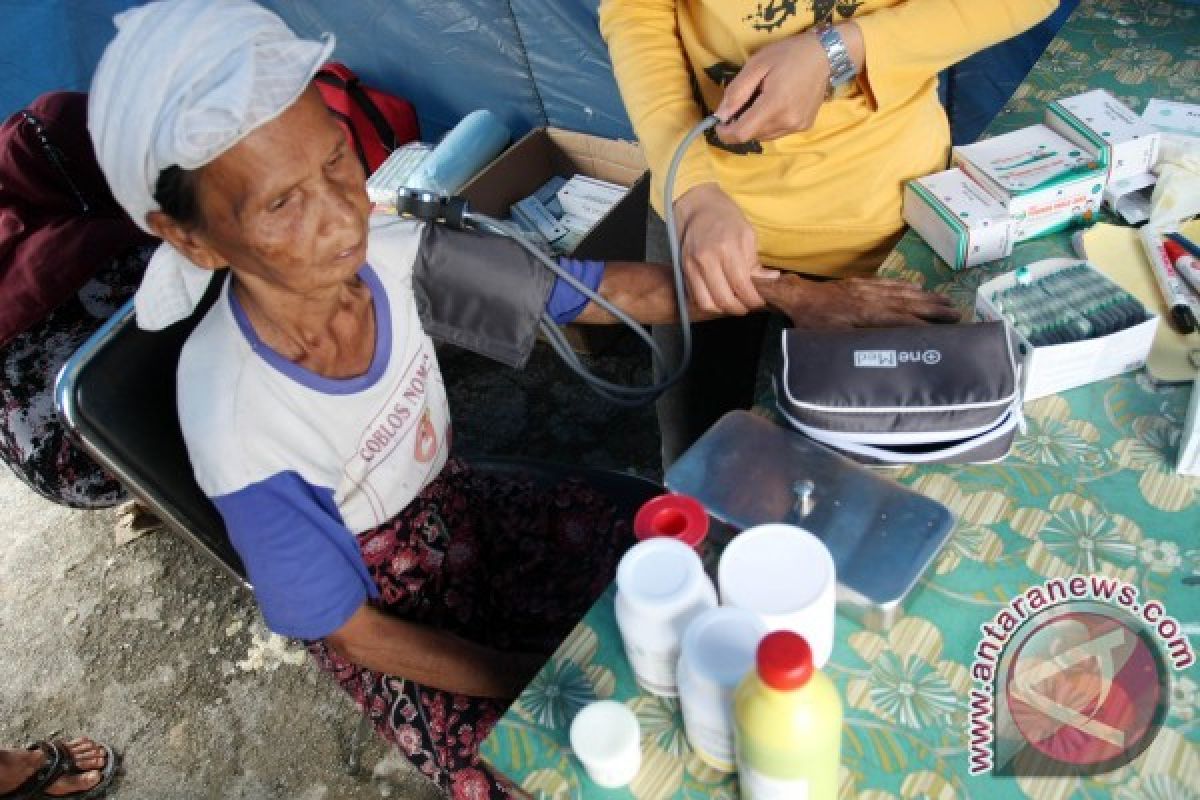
x=910, y=391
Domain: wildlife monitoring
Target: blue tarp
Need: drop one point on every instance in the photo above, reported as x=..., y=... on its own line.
x=533, y=62
x=980, y=86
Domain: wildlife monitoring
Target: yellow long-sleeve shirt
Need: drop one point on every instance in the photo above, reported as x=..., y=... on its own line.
x=826, y=200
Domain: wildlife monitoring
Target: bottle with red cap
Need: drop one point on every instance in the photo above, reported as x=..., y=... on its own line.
x=672, y=516
x=787, y=724
x=679, y=517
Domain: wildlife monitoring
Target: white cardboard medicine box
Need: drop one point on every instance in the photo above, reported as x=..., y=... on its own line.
x=1046, y=182
x=1050, y=369
x=1169, y=116
x=1108, y=129
x=963, y=224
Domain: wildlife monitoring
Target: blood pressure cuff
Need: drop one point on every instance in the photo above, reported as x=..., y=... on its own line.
x=480, y=291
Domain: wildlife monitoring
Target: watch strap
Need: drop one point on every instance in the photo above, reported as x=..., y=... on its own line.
x=841, y=66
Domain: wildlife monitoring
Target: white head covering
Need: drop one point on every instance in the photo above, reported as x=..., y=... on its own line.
x=182, y=82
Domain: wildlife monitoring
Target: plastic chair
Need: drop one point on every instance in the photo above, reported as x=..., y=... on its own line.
x=117, y=397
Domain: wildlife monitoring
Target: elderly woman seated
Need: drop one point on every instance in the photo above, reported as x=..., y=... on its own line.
x=310, y=395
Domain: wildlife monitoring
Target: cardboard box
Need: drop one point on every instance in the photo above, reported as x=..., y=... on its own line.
x=620, y=235
x=545, y=152
x=1101, y=124
x=963, y=224
x=1050, y=369
x=1046, y=182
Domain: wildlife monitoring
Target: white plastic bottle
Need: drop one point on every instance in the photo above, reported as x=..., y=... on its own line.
x=606, y=739
x=787, y=577
x=718, y=650
x=661, y=587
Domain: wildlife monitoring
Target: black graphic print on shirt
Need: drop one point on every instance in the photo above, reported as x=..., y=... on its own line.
x=722, y=73
x=772, y=14
x=847, y=7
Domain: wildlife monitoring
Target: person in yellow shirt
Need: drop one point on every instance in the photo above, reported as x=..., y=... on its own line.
x=828, y=107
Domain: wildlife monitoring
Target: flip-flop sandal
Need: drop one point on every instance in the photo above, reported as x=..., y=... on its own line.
x=107, y=774
x=59, y=764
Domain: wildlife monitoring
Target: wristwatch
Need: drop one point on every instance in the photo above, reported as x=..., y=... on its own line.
x=841, y=66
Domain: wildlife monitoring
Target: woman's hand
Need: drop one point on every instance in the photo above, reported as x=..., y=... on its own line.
x=719, y=252
x=856, y=303
x=781, y=87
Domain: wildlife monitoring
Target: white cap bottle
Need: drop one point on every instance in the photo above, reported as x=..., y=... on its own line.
x=661, y=587
x=718, y=650
x=606, y=739
x=786, y=576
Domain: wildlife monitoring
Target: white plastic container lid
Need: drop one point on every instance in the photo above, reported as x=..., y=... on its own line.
x=719, y=648
x=606, y=739
x=719, y=645
x=660, y=576
x=774, y=570
x=786, y=576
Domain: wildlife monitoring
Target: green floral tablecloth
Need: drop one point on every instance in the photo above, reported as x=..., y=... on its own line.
x=1090, y=488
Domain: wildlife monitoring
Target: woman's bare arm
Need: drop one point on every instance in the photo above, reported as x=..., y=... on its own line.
x=433, y=658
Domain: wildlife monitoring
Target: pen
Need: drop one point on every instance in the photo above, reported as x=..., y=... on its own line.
x=1187, y=266
x=1174, y=292
x=1185, y=243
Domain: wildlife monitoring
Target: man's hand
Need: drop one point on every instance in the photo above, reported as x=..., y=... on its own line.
x=856, y=303
x=781, y=87
x=719, y=252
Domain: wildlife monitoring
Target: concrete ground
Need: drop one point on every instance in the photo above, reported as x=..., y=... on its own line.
x=150, y=647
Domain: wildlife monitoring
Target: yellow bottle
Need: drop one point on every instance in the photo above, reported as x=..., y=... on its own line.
x=787, y=725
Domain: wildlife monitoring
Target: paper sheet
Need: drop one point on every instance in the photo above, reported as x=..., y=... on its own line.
x=1116, y=252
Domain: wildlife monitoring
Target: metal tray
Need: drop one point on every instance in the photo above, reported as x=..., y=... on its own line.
x=748, y=471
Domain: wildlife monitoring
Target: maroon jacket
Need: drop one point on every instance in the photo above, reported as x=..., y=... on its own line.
x=49, y=244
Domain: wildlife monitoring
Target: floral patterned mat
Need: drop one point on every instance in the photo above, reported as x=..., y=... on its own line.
x=1090, y=488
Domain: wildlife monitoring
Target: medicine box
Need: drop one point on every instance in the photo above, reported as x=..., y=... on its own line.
x=1105, y=127
x=963, y=224
x=529, y=213
x=587, y=198
x=1050, y=369
x=543, y=153
x=1046, y=182
x=1169, y=116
